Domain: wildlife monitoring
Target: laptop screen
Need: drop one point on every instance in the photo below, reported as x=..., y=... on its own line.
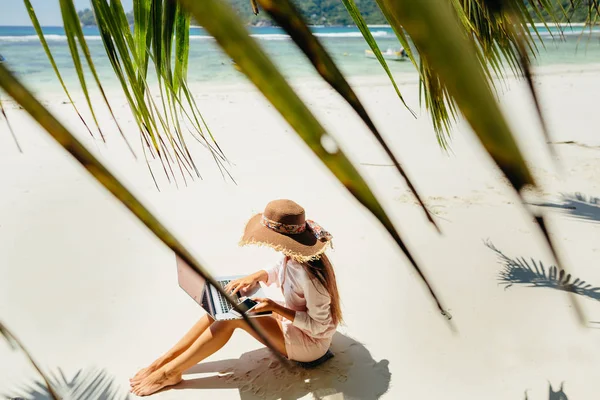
x=193, y=284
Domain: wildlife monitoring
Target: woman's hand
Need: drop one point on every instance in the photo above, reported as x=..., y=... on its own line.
x=241, y=284
x=246, y=283
x=264, y=305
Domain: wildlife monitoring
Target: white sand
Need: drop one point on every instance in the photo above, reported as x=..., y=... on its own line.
x=83, y=284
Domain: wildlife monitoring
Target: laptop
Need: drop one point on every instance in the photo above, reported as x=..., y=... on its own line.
x=205, y=294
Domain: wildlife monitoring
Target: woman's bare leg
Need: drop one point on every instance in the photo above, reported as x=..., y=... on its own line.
x=182, y=345
x=207, y=344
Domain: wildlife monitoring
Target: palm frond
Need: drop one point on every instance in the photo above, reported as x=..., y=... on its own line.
x=141, y=27
x=448, y=50
x=364, y=29
x=75, y=37
x=289, y=18
x=223, y=24
x=490, y=27
x=446, y=47
x=504, y=36
x=254, y=6
x=68, y=141
x=541, y=222
x=182, y=47
x=15, y=343
x=162, y=126
x=10, y=129
x=438, y=102
x=40, y=33
x=500, y=37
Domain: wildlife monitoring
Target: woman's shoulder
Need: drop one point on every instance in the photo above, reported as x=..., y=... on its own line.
x=301, y=273
x=297, y=268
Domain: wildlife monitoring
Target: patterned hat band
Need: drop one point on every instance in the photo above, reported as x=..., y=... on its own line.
x=286, y=229
x=289, y=229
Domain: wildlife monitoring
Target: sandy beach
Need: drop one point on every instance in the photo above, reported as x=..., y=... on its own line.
x=84, y=285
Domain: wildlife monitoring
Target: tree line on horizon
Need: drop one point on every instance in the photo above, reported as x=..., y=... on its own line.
x=333, y=12
x=87, y=17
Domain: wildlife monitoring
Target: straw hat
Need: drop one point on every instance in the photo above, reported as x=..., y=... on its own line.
x=283, y=227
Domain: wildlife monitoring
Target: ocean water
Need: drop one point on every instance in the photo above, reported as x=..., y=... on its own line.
x=25, y=56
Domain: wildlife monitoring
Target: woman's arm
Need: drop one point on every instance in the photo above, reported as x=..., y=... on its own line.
x=261, y=276
x=265, y=304
x=269, y=276
x=284, y=312
x=258, y=276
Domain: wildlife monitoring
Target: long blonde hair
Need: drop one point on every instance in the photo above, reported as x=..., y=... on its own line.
x=322, y=270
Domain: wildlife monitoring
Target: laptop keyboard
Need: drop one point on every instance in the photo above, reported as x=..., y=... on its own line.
x=225, y=305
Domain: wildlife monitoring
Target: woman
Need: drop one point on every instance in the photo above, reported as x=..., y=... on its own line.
x=300, y=329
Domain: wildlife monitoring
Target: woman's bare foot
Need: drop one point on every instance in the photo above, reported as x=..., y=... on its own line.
x=155, y=382
x=142, y=373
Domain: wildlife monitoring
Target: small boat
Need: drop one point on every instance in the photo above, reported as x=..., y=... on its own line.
x=389, y=54
x=2, y=59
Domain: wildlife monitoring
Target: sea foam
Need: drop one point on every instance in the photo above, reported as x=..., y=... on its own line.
x=34, y=38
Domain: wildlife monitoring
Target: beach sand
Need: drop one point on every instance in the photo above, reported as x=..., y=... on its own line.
x=84, y=285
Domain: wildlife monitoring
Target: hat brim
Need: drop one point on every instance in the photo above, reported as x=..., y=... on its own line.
x=301, y=247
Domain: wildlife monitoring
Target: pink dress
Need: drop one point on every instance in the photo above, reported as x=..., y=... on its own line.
x=309, y=336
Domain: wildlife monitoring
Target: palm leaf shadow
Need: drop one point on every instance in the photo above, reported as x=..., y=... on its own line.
x=578, y=206
x=552, y=395
x=92, y=383
x=535, y=274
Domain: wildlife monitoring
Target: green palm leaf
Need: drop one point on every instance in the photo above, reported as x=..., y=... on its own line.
x=73, y=31
x=288, y=17
x=156, y=16
x=498, y=40
x=120, y=56
x=448, y=51
x=71, y=41
x=182, y=47
x=141, y=27
x=161, y=124
x=433, y=93
x=40, y=33
x=222, y=23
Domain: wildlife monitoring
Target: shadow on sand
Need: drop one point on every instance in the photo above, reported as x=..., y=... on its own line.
x=552, y=395
x=259, y=375
x=86, y=384
x=534, y=274
x=578, y=206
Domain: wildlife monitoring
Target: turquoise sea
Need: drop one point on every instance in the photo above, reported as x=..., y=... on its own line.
x=25, y=56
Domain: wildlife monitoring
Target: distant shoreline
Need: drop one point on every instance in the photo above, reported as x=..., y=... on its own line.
x=310, y=26
x=536, y=24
